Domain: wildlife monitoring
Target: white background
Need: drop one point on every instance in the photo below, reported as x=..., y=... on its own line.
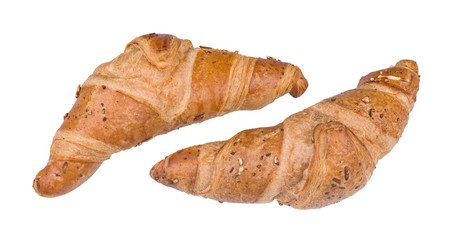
x=48, y=48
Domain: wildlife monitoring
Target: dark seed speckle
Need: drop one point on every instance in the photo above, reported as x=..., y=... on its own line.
x=346, y=173
x=337, y=180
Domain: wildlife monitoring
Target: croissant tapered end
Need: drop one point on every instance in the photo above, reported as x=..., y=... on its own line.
x=61, y=177
x=401, y=81
x=188, y=170
x=408, y=64
x=300, y=84
x=177, y=170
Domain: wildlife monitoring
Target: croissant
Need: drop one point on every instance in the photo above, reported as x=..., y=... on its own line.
x=312, y=159
x=160, y=83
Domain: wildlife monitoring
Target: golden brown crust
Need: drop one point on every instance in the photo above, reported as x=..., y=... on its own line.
x=158, y=84
x=243, y=163
x=60, y=177
x=340, y=166
x=316, y=157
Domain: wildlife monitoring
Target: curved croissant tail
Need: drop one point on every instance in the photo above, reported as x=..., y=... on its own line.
x=60, y=177
x=315, y=158
x=243, y=169
x=263, y=87
x=96, y=127
x=410, y=64
x=188, y=170
x=300, y=84
x=402, y=81
x=160, y=83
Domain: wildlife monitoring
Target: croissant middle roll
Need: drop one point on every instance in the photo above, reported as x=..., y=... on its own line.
x=160, y=83
x=314, y=158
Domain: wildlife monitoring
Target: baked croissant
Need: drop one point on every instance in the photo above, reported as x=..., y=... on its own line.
x=314, y=158
x=160, y=83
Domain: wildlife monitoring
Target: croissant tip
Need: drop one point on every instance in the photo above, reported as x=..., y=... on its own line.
x=61, y=177
x=410, y=64
x=157, y=170
x=42, y=188
x=36, y=186
x=300, y=84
